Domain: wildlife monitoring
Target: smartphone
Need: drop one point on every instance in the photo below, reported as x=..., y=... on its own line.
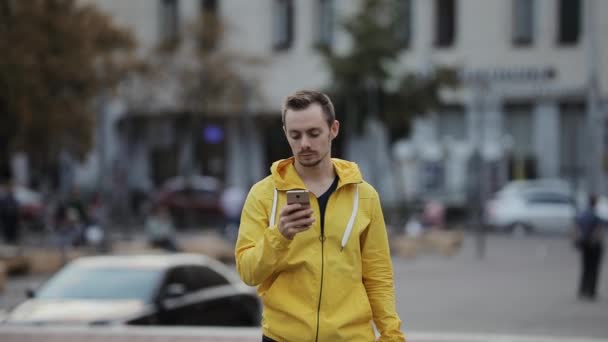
x=298, y=196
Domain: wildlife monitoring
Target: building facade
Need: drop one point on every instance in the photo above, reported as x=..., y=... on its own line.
x=532, y=100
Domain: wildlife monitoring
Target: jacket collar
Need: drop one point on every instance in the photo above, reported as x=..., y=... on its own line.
x=286, y=177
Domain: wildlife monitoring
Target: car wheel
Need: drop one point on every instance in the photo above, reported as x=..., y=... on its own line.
x=520, y=229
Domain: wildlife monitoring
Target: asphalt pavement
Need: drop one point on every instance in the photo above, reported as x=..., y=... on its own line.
x=523, y=286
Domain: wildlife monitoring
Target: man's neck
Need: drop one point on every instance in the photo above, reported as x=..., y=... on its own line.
x=316, y=174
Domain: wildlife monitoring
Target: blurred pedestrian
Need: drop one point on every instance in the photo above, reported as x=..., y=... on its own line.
x=94, y=231
x=434, y=215
x=160, y=230
x=232, y=200
x=589, y=241
x=67, y=228
x=9, y=214
x=324, y=270
x=75, y=201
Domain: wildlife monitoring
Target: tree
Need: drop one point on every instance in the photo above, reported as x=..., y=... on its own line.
x=57, y=56
x=212, y=83
x=365, y=80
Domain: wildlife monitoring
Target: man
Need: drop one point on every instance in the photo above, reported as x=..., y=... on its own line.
x=324, y=272
x=589, y=236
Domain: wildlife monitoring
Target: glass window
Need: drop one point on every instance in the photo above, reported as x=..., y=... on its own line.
x=548, y=198
x=518, y=124
x=283, y=24
x=326, y=23
x=452, y=122
x=445, y=22
x=179, y=275
x=202, y=277
x=569, y=21
x=209, y=31
x=209, y=6
x=169, y=20
x=102, y=283
x=404, y=24
x=523, y=22
x=573, y=156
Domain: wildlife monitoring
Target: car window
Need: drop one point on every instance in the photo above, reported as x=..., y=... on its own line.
x=178, y=275
x=101, y=283
x=548, y=198
x=203, y=277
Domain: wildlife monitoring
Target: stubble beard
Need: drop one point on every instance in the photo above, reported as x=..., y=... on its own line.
x=313, y=163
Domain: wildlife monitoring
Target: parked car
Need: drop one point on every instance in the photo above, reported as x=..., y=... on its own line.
x=546, y=206
x=192, y=200
x=31, y=207
x=164, y=289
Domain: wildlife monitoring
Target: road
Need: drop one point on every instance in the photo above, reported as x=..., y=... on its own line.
x=523, y=286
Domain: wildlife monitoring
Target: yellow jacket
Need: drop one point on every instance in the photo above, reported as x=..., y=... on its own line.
x=315, y=288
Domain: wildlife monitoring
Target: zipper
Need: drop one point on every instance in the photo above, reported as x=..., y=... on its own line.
x=322, y=239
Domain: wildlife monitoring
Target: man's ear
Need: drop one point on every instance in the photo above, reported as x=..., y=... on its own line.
x=334, y=129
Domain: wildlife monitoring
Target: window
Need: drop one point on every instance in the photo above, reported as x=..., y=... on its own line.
x=445, y=22
x=169, y=20
x=283, y=24
x=326, y=23
x=404, y=28
x=518, y=124
x=202, y=277
x=81, y=282
x=209, y=6
x=573, y=151
x=210, y=28
x=452, y=122
x=549, y=198
x=523, y=22
x=569, y=21
x=178, y=275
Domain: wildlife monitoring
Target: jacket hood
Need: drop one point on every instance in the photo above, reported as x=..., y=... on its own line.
x=286, y=177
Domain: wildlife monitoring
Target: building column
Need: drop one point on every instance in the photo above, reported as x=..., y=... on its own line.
x=546, y=138
x=186, y=153
x=245, y=162
x=236, y=161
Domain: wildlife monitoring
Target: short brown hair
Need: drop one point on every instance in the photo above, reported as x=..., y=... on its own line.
x=303, y=98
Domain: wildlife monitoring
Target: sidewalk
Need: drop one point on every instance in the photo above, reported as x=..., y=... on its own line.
x=526, y=285
x=133, y=334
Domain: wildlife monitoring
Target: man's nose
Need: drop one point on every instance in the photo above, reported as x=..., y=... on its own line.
x=304, y=142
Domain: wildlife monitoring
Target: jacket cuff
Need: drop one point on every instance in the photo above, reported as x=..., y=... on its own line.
x=276, y=239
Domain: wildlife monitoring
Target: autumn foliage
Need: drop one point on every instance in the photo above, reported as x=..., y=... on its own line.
x=56, y=57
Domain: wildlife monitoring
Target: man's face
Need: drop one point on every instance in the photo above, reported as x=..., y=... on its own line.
x=309, y=135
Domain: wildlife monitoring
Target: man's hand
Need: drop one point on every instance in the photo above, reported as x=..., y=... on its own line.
x=295, y=218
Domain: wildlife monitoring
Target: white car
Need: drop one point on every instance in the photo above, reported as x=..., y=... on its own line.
x=165, y=289
x=532, y=206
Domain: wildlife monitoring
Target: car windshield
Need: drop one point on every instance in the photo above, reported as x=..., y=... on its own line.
x=102, y=283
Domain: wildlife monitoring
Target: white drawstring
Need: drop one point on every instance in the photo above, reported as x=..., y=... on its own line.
x=274, y=208
x=351, y=221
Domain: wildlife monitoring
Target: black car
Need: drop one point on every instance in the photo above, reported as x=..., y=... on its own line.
x=166, y=289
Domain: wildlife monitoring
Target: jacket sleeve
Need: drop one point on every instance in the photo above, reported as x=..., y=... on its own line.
x=259, y=248
x=378, y=277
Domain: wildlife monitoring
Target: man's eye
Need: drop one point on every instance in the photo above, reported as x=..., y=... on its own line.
x=314, y=134
x=295, y=137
